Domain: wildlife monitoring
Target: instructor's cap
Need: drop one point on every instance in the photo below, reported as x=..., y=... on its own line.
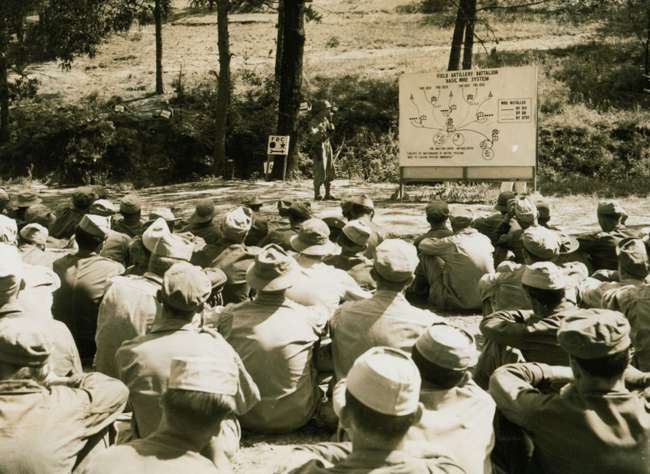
x=594, y=333
x=395, y=260
x=448, y=347
x=201, y=374
x=503, y=200
x=541, y=242
x=185, y=287
x=97, y=226
x=633, y=257
x=544, y=276
x=385, y=380
x=610, y=208
x=23, y=342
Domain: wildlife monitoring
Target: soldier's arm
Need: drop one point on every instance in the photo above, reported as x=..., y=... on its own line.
x=517, y=389
x=506, y=327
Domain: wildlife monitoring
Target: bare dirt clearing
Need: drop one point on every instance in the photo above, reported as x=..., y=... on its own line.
x=367, y=37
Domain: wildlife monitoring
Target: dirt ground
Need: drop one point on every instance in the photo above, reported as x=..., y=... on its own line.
x=266, y=454
x=365, y=36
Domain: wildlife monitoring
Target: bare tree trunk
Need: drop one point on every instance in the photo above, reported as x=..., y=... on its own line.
x=157, y=13
x=457, y=38
x=223, y=93
x=470, y=22
x=279, y=41
x=293, y=40
x=4, y=83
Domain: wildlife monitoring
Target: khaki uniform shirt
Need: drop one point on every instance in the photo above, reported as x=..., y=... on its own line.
x=466, y=257
x=437, y=232
x=37, y=297
x=386, y=319
x=492, y=226
x=600, y=247
x=453, y=418
x=157, y=454
x=144, y=364
x=34, y=255
x=339, y=458
x=577, y=432
x=45, y=429
x=84, y=280
x=634, y=302
x=276, y=338
x=132, y=229
x=592, y=291
x=127, y=311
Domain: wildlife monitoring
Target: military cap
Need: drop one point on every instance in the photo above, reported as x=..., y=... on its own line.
x=154, y=232
x=313, y=239
x=503, y=200
x=633, y=257
x=130, y=204
x=385, y=380
x=174, y=246
x=102, y=207
x=35, y=234
x=610, y=208
x=274, y=270
x=437, y=209
x=23, y=342
x=448, y=347
x=163, y=213
x=201, y=374
x=299, y=210
x=39, y=214
x=525, y=210
x=203, y=212
x=544, y=276
x=4, y=196
x=357, y=232
x=395, y=260
x=26, y=199
x=11, y=270
x=237, y=223
x=594, y=333
x=97, y=226
x=541, y=242
x=185, y=287
x=362, y=200
x=216, y=276
x=82, y=198
x=8, y=230
x=253, y=202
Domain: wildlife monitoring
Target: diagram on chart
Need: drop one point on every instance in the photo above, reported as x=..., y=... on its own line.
x=456, y=118
x=468, y=118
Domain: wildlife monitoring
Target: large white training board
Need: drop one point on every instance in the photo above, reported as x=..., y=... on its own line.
x=479, y=118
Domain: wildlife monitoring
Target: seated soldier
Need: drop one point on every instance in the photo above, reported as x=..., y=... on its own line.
x=144, y=362
x=497, y=224
x=544, y=214
x=599, y=248
x=234, y=229
x=199, y=396
x=525, y=213
x=387, y=318
x=437, y=213
x=130, y=305
x=202, y=222
x=595, y=424
x=31, y=243
x=502, y=290
x=116, y=247
x=49, y=424
x=632, y=271
x=259, y=226
x=235, y=261
x=453, y=267
x=353, y=241
x=320, y=284
x=64, y=358
x=131, y=223
x=455, y=408
x=297, y=213
x=276, y=338
x=381, y=406
x=68, y=219
x=84, y=276
x=362, y=208
x=525, y=335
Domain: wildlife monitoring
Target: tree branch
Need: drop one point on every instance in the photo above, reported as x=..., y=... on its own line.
x=514, y=7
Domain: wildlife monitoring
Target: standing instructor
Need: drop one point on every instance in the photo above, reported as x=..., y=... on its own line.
x=320, y=149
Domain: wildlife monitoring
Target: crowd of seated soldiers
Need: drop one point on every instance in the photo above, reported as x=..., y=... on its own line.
x=132, y=344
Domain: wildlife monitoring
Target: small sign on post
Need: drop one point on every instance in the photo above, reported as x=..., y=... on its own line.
x=278, y=146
